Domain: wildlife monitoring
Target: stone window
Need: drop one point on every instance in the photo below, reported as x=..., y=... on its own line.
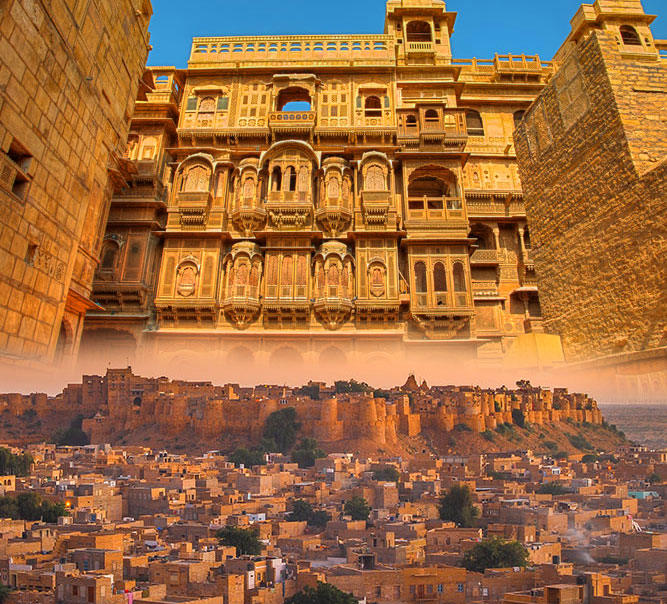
x=459, y=278
x=334, y=102
x=475, y=123
x=418, y=31
x=630, y=36
x=373, y=107
x=254, y=101
x=518, y=117
x=206, y=112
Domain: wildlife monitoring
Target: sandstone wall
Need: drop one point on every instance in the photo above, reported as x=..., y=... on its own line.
x=69, y=74
x=592, y=153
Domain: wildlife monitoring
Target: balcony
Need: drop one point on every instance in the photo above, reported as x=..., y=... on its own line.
x=487, y=257
x=292, y=122
x=425, y=47
x=429, y=126
x=334, y=219
x=376, y=206
x=334, y=310
x=193, y=208
x=248, y=218
x=242, y=306
x=518, y=67
x=289, y=210
x=435, y=208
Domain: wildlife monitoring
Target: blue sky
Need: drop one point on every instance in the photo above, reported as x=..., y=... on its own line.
x=483, y=27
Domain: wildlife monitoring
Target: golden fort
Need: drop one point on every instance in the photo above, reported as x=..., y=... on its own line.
x=335, y=198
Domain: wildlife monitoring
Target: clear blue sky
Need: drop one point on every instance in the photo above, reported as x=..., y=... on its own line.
x=483, y=27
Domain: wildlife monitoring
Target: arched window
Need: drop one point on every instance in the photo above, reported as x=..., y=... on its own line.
x=290, y=176
x=420, y=278
x=411, y=121
x=418, y=31
x=373, y=107
x=293, y=98
x=196, y=180
x=630, y=36
x=459, y=278
x=110, y=255
x=475, y=123
x=431, y=116
x=277, y=179
x=518, y=117
x=375, y=180
x=206, y=111
x=439, y=278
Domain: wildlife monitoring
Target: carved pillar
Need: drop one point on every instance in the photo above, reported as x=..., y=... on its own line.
x=496, y=236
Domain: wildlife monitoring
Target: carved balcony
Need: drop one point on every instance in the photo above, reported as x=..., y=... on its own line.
x=441, y=315
x=334, y=219
x=429, y=210
x=333, y=311
x=243, y=306
x=248, y=218
x=482, y=289
x=487, y=257
x=289, y=210
x=421, y=47
x=528, y=259
x=193, y=208
x=376, y=206
x=293, y=123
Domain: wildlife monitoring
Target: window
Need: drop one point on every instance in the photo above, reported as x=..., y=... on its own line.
x=439, y=278
x=206, y=112
x=460, y=587
x=276, y=179
x=373, y=107
x=14, y=171
x=411, y=122
x=290, y=175
x=459, y=278
x=192, y=104
x=420, y=278
x=431, y=117
x=630, y=36
x=475, y=123
x=518, y=117
x=334, y=102
x=254, y=101
x=223, y=103
x=418, y=31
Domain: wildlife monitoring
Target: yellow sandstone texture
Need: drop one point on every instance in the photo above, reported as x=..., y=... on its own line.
x=592, y=153
x=70, y=72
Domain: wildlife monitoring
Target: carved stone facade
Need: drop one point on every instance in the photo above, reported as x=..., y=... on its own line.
x=356, y=190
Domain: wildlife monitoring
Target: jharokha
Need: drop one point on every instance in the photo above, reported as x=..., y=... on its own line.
x=387, y=214
x=121, y=402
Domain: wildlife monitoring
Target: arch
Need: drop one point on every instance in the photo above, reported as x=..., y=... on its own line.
x=429, y=186
x=290, y=178
x=278, y=148
x=110, y=254
x=240, y=356
x=276, y=179
x=293, y=98
x=459, y=278
x=419, y=31
x=196, y=179
x=431, y=115
x=286, y=356
x=484, y=236
x=518, y=118
x=207, y=105
x=373, y=107
x=439, y=278
x=630, y=36
x=333, y=357
x=411, y=121
x=475, y=123
x=420, y=278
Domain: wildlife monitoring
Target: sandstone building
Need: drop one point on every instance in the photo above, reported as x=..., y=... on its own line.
x=70, y=72
x=324, y=198
x=593, y=156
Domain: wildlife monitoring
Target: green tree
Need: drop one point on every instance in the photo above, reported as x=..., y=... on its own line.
x=357, y=508
x=248, y=457
x=386, y=474
x=456, y=506
x=495, y=553
x=32, y=507
x=14, y=465
x=303, y=511
x=74, y=436
x=324, y=593
x=654, y=478
x=518, y=417
x=4, y=593
x=282, y=426
x=351, y=386
x=307, y=452
x=246, y=541
x=552, y=488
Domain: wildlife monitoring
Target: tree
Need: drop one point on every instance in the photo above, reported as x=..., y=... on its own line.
x=248, y=457
x=307, y=452
x=74, y=436
x=14, y=465
x=303, y=511
x=4, y=593
x=552, y=488
x=357, y=508
x=387, y=474
x=281, y=426
x=495, y=553
x=654, y=478
x=32, y=507
x=456, y=506
x=518, y=417
x=324, y=593
x=246, y=541
x=351, y=386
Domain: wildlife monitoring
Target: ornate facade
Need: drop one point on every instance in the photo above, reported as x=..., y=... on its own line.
x=327, y=196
